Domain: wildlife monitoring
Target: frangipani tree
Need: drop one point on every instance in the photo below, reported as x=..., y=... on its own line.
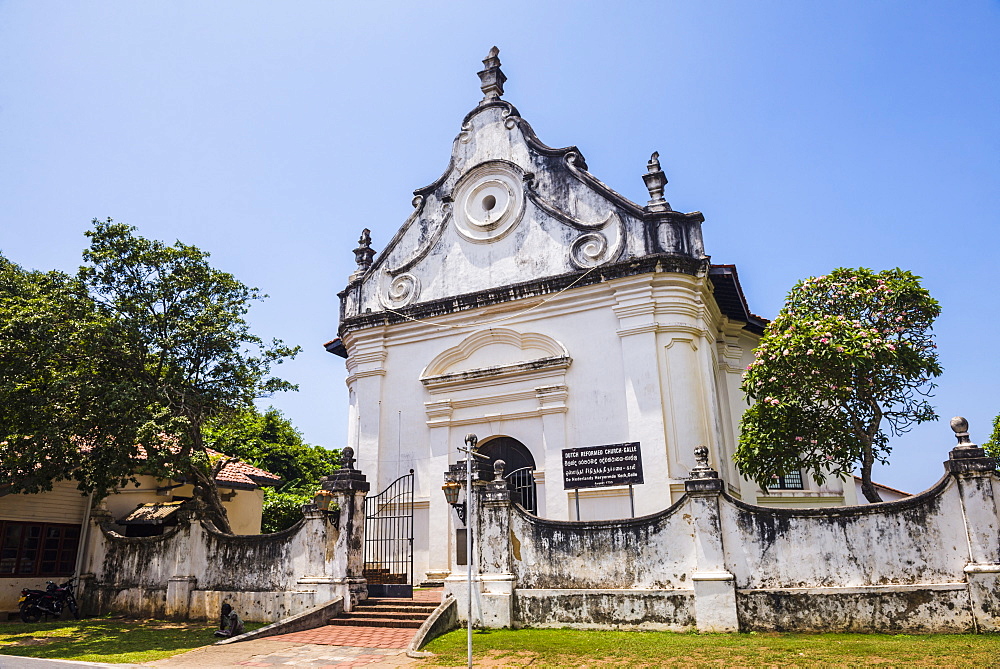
x=849, y=357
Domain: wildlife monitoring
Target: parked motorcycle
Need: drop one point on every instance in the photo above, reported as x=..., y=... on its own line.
x=36, y=604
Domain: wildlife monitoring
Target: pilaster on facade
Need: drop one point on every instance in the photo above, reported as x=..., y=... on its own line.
x=366, y=367
x=552, y=399
x=439, y=412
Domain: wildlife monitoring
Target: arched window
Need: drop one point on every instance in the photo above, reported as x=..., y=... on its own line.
x=518, y=469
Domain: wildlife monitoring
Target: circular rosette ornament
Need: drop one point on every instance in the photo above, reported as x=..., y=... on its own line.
x=489, y=202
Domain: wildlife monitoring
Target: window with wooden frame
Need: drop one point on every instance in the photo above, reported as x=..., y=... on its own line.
x=38, y=549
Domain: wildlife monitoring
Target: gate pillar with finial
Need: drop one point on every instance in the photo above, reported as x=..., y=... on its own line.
x=349, y=487
x=976, y=476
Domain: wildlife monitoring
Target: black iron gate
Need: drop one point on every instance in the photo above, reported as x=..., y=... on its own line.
x=389, y=540
x=521, y=483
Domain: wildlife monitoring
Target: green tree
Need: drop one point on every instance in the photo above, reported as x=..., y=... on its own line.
x=269, y=440
x=849, y=352
x=993, y=445
x=151, y=342
x=67, y=388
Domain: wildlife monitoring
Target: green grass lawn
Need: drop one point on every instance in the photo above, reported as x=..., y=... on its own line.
x=568, y=648
x=104, y=640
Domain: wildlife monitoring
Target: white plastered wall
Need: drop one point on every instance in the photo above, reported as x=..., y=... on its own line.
x=642, y=365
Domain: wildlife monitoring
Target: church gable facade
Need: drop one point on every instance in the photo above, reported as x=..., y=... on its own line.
x=527, y=302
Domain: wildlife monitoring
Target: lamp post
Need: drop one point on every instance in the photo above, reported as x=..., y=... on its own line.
x=451, y=489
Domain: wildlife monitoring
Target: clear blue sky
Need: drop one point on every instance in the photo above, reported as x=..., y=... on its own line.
x=811, y=134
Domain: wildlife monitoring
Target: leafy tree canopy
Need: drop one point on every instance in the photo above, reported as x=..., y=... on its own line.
x=269, y=440
x=151, y=342
x=993, y=445
x=850, y=352
x=65, y=381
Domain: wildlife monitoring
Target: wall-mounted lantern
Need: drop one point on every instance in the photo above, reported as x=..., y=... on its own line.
x=454, y=483
x=322, y=500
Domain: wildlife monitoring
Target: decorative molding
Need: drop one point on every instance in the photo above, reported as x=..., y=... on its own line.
x=690, y=342
x=578, y=168
x=364, y=357
x=519, y=291
x=439, y=409
x=450, y=357
x=488, y=400
x=419, y=200
x=364, y=373
x=552, y=395
x=514, y=370
x=497, y=417
x=667, y=328
x=648, y=328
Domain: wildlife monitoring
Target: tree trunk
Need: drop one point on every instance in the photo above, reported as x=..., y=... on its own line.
x=867, y=460
x=207, y=492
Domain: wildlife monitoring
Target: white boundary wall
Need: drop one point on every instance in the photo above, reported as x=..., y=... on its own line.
x=929, y=563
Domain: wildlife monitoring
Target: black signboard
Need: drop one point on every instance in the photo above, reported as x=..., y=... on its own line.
x=602, y=466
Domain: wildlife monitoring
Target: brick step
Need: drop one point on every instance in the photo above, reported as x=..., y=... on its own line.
x=393, y=610
x=401, y=603
x=374, y=622
x=389, y=614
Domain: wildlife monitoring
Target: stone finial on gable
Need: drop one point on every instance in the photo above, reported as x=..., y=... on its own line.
x=655, y=181
x=363, y=254
x=492, y=77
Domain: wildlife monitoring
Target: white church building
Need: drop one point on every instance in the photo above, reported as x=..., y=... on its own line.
x=527, y=302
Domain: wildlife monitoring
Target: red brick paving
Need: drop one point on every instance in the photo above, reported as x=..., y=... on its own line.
x=363, y=637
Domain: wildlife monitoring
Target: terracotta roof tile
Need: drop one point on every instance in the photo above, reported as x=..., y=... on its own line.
x=236, y=473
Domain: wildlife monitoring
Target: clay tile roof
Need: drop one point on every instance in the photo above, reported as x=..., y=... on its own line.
x=235, y=474
x=240, y=474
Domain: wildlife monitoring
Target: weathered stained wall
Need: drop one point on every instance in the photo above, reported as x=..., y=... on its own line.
x=929, y=563
x=566, y=554
x=191, y=569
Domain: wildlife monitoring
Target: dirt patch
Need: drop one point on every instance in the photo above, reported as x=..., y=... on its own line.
x=501, y=658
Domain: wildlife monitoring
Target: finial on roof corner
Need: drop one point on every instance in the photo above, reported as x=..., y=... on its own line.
x=655, y=181
x=491, y=77
x=363, y=254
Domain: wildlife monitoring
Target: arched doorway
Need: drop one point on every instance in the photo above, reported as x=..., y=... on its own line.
x=518, y=470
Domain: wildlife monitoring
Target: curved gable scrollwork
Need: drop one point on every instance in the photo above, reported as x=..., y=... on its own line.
x=538, y=348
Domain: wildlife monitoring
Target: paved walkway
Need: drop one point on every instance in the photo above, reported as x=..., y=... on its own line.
x=327, y=646
x=267, y=653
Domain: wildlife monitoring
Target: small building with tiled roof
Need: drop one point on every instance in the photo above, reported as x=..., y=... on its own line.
x=41, y=535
